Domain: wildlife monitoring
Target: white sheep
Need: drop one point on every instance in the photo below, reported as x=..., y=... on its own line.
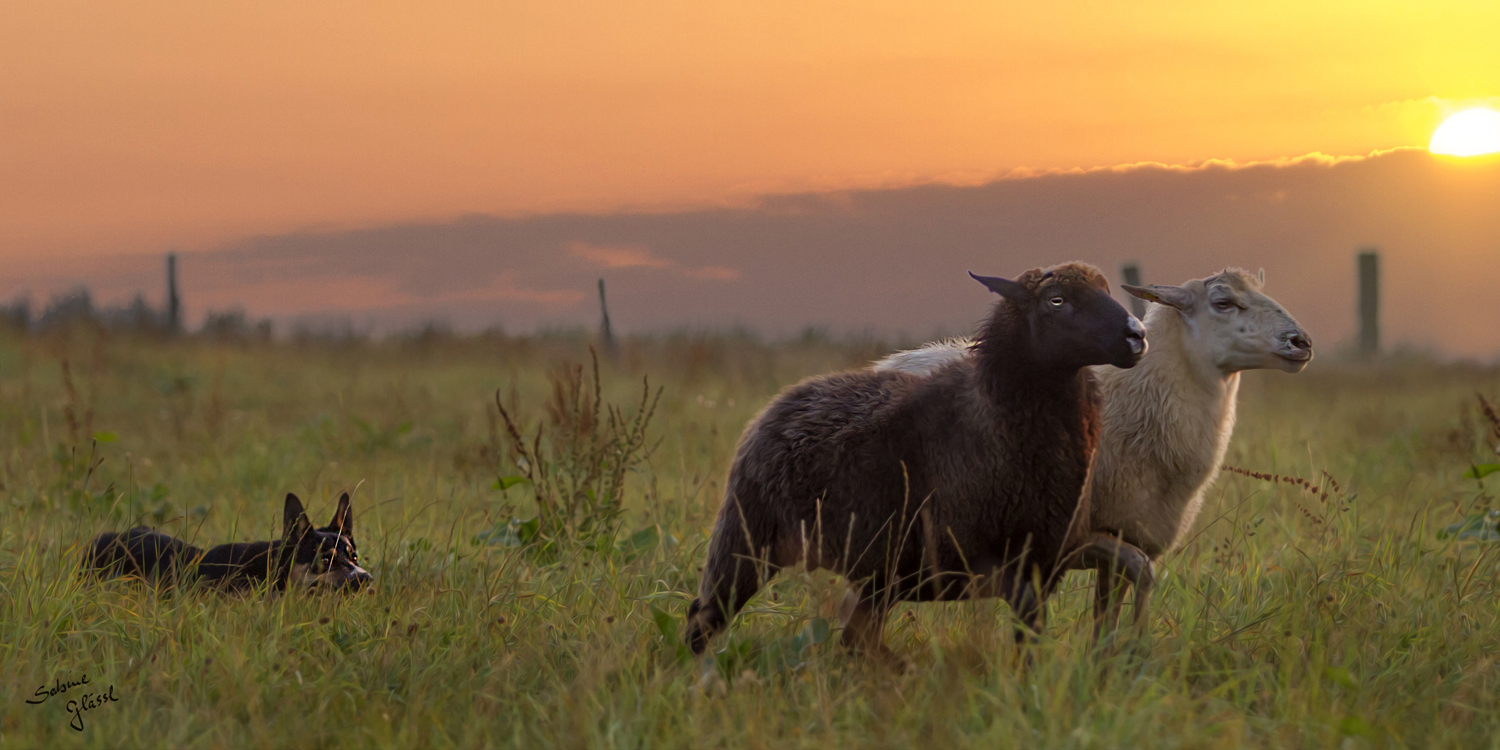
x=1167, y=422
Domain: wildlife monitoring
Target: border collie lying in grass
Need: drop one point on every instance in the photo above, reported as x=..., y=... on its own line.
x=325, y=558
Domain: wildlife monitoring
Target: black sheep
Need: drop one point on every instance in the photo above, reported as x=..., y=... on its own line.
x=958, y=485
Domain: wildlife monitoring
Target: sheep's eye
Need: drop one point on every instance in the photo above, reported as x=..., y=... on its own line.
x=1057, y=301
x=1224, y=305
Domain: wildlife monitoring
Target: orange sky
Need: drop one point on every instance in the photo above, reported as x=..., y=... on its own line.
x=131, y=127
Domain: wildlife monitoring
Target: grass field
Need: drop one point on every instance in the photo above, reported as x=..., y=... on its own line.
x=1292, y=619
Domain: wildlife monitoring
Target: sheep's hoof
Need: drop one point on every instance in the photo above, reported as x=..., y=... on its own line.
x=896, y=663
x=867, y=645
x=1138, y=649
x=702, y=625
x=1129, y=644
x=881, y=657
x=861, y=642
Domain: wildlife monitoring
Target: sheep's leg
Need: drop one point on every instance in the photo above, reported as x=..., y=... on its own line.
x=863, y=618
x=1109, y=592
x=732, y=574
x=720, y=597
x=1027, y=604
x=1145, y=583
x=1119, y=563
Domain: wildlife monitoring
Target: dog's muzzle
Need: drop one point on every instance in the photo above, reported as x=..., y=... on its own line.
x=358, y=579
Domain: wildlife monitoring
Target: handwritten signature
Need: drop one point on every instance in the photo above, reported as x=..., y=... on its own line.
x=85, y=702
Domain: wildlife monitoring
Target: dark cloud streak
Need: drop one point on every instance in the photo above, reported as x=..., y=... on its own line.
x=893, y=260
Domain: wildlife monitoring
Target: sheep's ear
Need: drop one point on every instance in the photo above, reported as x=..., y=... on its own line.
x=294, y=523
x=1003, y=287
x=1171, y=296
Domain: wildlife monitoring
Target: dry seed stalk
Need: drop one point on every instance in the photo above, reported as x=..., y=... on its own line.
x=1334, y=483
x=1298, y=482
x=1489, y=413
x=578, y=474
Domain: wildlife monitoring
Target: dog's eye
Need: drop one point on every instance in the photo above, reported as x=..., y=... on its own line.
x=1057, y=301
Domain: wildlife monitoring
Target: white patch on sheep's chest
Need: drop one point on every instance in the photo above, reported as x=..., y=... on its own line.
x=1153, y=470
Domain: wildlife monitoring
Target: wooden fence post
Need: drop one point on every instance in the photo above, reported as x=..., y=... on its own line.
x=606, y=334
x=1369, y=302
x=1132, y=273
x=174, y=302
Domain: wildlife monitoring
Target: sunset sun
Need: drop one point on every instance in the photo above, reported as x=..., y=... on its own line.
x=1469, y=133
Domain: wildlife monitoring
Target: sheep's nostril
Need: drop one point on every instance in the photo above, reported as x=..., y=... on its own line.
x=1299, y=341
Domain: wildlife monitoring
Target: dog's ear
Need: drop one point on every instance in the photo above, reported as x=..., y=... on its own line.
x=343, y=518
x=294, y=525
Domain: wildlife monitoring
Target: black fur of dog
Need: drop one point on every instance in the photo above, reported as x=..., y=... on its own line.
x=314, y=558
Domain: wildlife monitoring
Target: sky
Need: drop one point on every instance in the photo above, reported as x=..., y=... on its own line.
x=227, y=129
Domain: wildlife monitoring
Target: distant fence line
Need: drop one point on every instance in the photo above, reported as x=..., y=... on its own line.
x=76, y=309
